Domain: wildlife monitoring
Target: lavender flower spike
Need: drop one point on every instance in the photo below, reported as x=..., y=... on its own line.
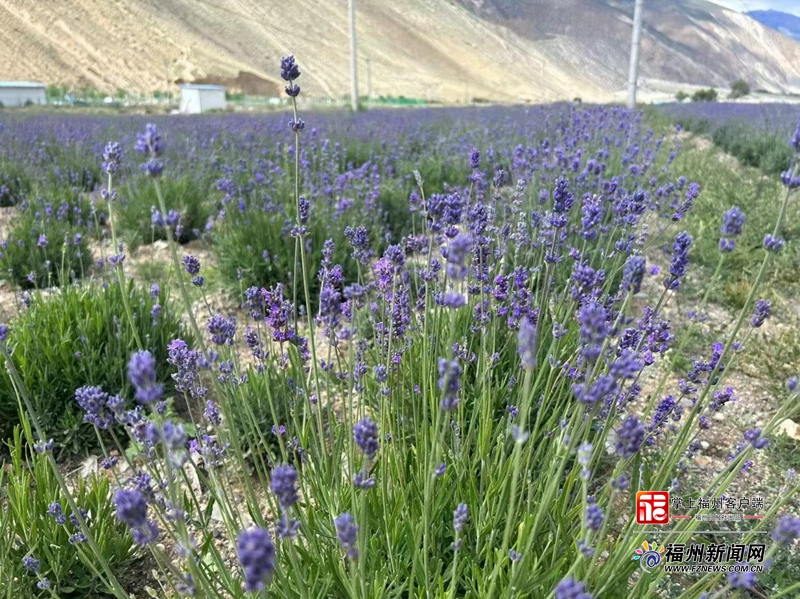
x=257, y=557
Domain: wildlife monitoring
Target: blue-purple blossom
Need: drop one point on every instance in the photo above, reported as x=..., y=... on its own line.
x=753, y=436
x=289, y=69
x=55, y=510
x=460, y=517
x=795, y=139
x=584, y=458
x=191, y=264
x=760, y=312
x=633, y=274
x=787, y=530
x=772, y=243
x=359, y=241
x=222, y=329
x=594, y=516
x=112, y=157
x=450, y=372
x=362, y=480
x=31, y=564
x=142, y=375
x=347, y=533
x=454, y=300
x=256, y=556
x=629, y=437
x=594, y=329
x=474, y=159
x=149, y=142
x=526, y=344
x=287, y=527
x=456, y=256
x=732, y=222
x=284, y=484
x=95, y=404
x=569, y=588
x=789, y=179
x=131, y=507
x=741, y=580
x=365, y=434
x=602, y=388
x=679, y=260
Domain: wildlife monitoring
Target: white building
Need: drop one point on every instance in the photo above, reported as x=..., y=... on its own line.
x=22, y=93
x=197, y=98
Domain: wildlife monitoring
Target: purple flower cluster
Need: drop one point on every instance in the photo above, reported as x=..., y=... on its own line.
x=569, y=588
x=347, y=533
x=257, y=557
x=151, y=145
x=450, y=372
x=284, y=485
x=732, y=223
x=132, y=509
x=760, y=312
x=142, y=375
x=100, y=408
x=365, y=434
x=679, y=260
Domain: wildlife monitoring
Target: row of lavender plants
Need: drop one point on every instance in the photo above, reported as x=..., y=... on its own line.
x=779, y=118
x=756, y=134
x=454, y=405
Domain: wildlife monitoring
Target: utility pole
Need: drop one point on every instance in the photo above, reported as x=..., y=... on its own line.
x=369, y=81
x=353, y=57
x=169, y=87
x=544, y=89
x=635, y=44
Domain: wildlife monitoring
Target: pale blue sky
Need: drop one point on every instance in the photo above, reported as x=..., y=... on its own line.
x=791, y=6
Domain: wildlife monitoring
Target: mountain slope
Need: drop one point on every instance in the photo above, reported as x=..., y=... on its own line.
x=450, y=50
x=685, y=41
x=779, y=21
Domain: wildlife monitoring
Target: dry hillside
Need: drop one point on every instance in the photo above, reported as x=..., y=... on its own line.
x=507, y=50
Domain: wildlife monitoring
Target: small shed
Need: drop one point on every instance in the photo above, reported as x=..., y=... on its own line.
x=22, y=93
x=197, y=98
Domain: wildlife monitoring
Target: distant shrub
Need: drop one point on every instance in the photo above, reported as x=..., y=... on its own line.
x=47, y=245
x=254, y=248
x=27, y=530
x=705, y=95
x=700, y=126
x=767, y=151
x=739, y=89
x=80, y=336
x=13, y=185
x=681, y=96
x=188, y=203
x=252, y=237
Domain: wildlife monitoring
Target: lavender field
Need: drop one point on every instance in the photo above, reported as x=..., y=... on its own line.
x=411, y=353
x=774, y=118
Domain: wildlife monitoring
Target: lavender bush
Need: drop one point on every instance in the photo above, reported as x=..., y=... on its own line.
x=463, y=413
x=76, y=338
